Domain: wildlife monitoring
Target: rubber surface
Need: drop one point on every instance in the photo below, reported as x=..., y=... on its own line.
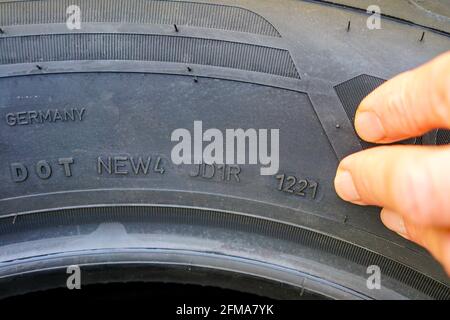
x=87, y=117
x=434, y=14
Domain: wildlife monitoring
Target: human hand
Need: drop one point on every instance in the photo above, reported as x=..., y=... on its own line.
x=410, y=183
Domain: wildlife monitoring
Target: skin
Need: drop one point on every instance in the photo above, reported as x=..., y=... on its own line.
x=410, y=183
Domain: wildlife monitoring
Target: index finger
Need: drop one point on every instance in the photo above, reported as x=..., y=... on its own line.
x=411, y=180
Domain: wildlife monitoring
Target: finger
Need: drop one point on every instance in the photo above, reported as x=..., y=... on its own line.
x=411, y=180
x=407, y=106
x=436, y=240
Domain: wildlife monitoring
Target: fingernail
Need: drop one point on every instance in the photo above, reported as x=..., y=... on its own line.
x=369, y=126
x=394, y=221
x=345, y=187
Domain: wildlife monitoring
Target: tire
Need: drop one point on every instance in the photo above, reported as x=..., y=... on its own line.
x=87, y=176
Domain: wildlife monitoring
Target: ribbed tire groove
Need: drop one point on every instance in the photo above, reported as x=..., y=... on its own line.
x=356, y=254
